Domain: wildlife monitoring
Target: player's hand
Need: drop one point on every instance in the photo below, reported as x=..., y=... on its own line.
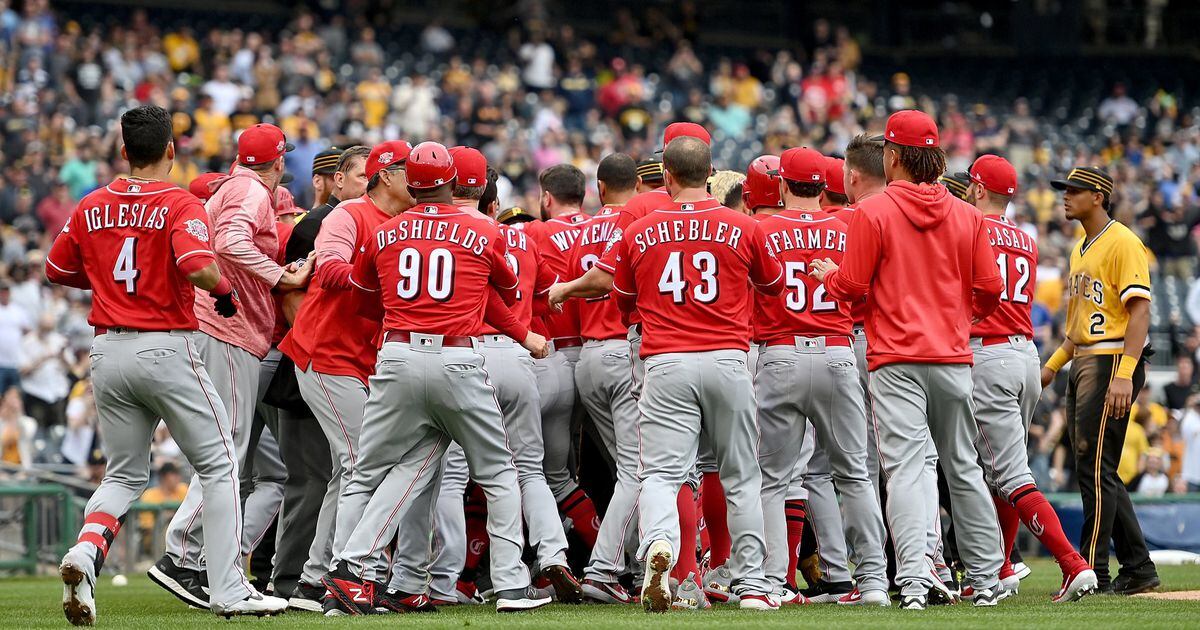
x=536, y=345
x=296, y=278
x=1119, y=397
x=227, y=305
x=821, y=267
x=1047, y=377
x=558, y=295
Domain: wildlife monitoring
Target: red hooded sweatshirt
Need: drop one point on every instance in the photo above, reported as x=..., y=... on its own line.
x=923, y=260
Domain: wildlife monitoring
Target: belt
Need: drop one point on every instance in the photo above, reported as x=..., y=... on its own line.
x=101, y=330
x=567, y=342
x=812, y=342
x=1002, y=340
x=1108, y=346
x=448, y=341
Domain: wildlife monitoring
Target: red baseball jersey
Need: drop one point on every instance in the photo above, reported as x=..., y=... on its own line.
x=431, y=265
x=688, y=271
x=599, y=318
x=334, y=332
x=281, y=324
x=129, y=239
x=858, y=308
x=555, y=240
x=534, y=276
x=1017, y=258
x=797, y=237
x=637, y=207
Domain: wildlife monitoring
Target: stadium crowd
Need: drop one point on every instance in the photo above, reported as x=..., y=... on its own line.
x=548, y=96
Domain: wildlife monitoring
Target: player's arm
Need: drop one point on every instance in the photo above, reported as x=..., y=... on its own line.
x=1062, y=356
x=765, y=271
x=234, y=241
x=364, y=275
x=64, y=263
x=623, y=281
x=852, y=279
x=986, y=284
x=1133, y=277
x=597, y=282
x=502, y=276
x=194, y=257
x=334, y=249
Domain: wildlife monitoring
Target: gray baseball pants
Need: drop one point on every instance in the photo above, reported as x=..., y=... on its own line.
x=450, y=526
x=825, y=513
x=1007, y=387
x=422, y=397
x=910, y=403
x=555, y=378
x=686, y=393
x=128, y=373
x=263, y=475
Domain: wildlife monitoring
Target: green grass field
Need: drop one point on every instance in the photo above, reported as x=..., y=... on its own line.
x=36, y=603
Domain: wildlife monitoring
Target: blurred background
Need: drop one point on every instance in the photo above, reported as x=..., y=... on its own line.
x=1047, y=83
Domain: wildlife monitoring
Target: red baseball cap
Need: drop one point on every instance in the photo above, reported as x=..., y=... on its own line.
x=200, y=185
x=261, y=144
x=471, y=165
x=386, y=154
x=911, y=128
x=995, y=173
x=285, y=202
x=676, y=130
x=835, y=175
x=430, y=166
x=801, y=164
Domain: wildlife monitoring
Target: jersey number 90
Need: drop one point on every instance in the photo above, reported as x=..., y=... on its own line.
x=438, y=274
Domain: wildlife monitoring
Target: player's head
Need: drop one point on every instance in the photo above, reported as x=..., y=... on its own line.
x=649, y=173
x=514, y=215
x=726, y=187
x=993, y=184
x=616, y=178
x=261, y=149
x=834, y=195
x=687, y=163
x=563, y=188
x=910, y=150
x=959, y=184
x=384, y=169
x=324, y=166
x=1086, y=190
x=431, y=173
x=863, y=171
x=761, y=187
x=685, y=130
x=802, y=172
x=472, y=173
x=489, y=202
x=146, y=136
x=350, y=175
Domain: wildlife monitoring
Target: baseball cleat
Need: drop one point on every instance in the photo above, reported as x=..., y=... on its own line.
x=985, y=596
x=689, y=596
x=868, y=598
x=606, y=592
x=466, y=593
x=185, y=584
x=826, y=592
x=566, y=588
x=758, y=601
x=77, y=571
x=656, y=590
x=308, y=597
x=789, y=597
x=1076, y=586
x=940, y=594
x=912, y=602
x=519, y=599
x=1022, y=570
x=1125, y=585
x=394, y=600
x=256, y=604
x=717, y=585
x=353, y=596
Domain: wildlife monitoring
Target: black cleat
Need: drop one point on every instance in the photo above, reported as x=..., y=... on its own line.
x=186, y=584
x=394, y=600
x=1132, y=585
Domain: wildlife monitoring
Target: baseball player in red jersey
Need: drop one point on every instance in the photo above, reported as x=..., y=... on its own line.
x=562, y=195
x=602, y=377
x=805, y=337
x=140, y=245
x=431, y=266
x=1007, y=375
x=333, y=340
x=688, y=269
x=241, y=210
x=920, y=385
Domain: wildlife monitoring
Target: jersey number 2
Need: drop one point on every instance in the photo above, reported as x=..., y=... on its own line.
x=797, y=299
x=125, y=270
x=1021, y=279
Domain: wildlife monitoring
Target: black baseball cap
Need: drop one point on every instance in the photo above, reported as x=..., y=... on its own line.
x=956, y=183
x=515, y=214
x=1086, y=178
x=650, y=170
x=325, y=162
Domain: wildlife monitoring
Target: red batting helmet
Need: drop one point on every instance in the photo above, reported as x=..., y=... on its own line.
x=429, y=166
x=761, y=188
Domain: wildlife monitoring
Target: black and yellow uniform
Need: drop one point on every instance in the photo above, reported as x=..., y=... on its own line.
x=1106, y=272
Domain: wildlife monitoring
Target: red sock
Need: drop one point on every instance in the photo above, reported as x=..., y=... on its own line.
x=579, y=508
x=100, y=529
x=685, y=564
x=713, y=497
x=1010, y=522
x=1037, y=514
x=702, y=525
x=477, y=536
x=795, y=512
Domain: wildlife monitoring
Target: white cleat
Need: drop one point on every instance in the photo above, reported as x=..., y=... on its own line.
x=759, y=601
x=1011, y=584
x=868, y=598
x=656, y=587
x=1076, y=587
x=1022, y=570
x=79, y=586
x=256, y=604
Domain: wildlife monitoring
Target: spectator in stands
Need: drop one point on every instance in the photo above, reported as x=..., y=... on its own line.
x=17, y=431
x=1118, y=108
x=1136, y=445
x=14, y=322
x=53, y=211
x=1168, y=228
x=538, y=56
x=44, y=372
x=1189, y=430
x=1152, y=481
x=1177, y=392
x=80, y=438
x=169, y=489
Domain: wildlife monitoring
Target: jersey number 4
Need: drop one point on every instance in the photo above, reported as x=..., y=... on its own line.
x=1020, y=277
x=672, y=282
x=125, y=270
x=439, y=283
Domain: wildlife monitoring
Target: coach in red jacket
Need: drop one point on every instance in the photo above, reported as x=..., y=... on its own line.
x=922, y=259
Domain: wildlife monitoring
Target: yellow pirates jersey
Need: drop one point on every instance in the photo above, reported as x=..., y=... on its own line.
x=1106, y=273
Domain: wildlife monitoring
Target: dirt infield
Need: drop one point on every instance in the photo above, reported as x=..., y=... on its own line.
x=1175, y=596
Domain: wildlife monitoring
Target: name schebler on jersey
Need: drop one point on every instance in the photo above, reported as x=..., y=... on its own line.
x=699, y=230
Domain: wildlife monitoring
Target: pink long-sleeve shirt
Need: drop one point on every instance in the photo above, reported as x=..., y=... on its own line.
x=246, y=244
x=334, y=249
